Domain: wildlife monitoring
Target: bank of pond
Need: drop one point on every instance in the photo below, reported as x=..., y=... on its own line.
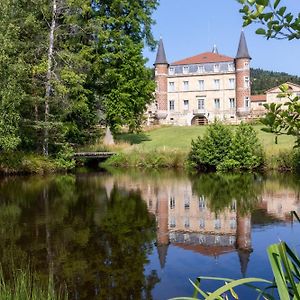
x=142, y=234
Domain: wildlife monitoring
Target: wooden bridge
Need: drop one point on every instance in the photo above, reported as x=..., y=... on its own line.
x=92, y=159
x=94, y=155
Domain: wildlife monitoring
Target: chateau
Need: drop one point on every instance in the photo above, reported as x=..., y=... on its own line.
x=198, y=89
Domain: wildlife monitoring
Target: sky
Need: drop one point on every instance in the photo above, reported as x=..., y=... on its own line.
x=190, y=27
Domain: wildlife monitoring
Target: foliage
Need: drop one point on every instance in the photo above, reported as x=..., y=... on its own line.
x=285, y=266
x=26, y=163
x=95, y=70
x=65, y=158
x=209, y=151
x=147, y=159
x=245, y=150
x=276, y=20
x=90, y=234
x=26, y=285
x=262, y=80
x=283, y=118
x=219, y=150
x=221, y=190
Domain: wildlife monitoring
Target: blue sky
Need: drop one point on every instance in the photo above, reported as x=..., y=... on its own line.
x=189, y=27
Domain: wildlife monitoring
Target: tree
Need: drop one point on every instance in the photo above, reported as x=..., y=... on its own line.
x=123, y=85
x=280, y=118
x=276, y=20
x=283, y=118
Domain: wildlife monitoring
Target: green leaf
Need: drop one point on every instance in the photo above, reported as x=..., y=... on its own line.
x=233, y=284
x=260, y=31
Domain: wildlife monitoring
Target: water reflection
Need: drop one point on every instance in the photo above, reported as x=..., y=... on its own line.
x=97, y=231
x=212, y=214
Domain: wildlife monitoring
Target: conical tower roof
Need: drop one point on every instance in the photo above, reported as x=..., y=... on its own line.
x=244, y=256
x=243, y=49
x=161, y=54
x=162, y=254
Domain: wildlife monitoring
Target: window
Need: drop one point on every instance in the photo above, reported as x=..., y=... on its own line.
x=216, y=68
x=231, y=83
x=246, y=82
x=171, y=104
x=171, y=71
x=201, y=85
x=202, y=202
x=217, y=224
x=186, y=104
x=201, y=69
x=200, y=103
x=172, y=202
x=172, y=222
x=231, y=102
x=186, y=201
x=217, y=84
x=185, y=70
x=247, y=102
x=171, y=86
x=217, y=103
x=231, y=67
x=186, y=222
x=246, y=65
x=202, y=223
x=185, y=85
x=232, y=223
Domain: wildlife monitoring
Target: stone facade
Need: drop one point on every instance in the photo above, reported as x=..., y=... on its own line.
x=199, y=89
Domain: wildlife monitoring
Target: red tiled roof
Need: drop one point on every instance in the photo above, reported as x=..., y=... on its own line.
x=206, y=250
x=206, y=57
x=258, y=98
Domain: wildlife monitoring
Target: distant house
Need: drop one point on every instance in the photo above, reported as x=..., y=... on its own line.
x=271, y=96
x=198, y=89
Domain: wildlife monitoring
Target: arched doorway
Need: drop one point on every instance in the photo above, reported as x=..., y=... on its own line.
x=199, y=120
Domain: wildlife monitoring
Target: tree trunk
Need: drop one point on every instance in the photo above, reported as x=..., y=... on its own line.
x=48, y=78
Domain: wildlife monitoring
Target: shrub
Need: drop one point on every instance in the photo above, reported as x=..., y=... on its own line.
x=245, y=152
x=65, y=158
x=220, y=150
x=210, y=150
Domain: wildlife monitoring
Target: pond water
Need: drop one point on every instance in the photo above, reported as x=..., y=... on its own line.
x=141, y=235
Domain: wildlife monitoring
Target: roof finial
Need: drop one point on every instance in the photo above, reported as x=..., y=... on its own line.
x=215, y=49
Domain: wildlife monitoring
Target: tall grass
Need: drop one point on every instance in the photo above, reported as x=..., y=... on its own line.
x=25, y=285
x=148, y=159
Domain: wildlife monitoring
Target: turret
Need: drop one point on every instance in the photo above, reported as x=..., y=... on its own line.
x=162, y=239
x=161, y=78
x=243, y=239
x=243, y=89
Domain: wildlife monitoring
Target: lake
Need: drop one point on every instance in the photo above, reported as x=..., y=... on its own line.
x=143, y=235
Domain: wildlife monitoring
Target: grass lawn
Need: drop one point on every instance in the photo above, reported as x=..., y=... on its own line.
x=179, y=137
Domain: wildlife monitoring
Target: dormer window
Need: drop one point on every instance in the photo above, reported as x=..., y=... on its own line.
x=216, y=68
x=201, y=69
x=231, y=67
x=185, y=70
x=171, y=71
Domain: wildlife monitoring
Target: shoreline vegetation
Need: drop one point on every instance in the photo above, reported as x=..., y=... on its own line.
x=160, y=147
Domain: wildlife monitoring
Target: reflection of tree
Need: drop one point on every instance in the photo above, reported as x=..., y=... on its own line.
x=221, y=190
x=99, y=246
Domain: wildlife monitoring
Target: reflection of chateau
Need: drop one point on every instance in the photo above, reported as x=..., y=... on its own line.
x=185, y=220
x=281, y=203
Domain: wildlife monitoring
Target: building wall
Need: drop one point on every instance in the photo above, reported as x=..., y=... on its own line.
x=242, y=91
x=183, y=115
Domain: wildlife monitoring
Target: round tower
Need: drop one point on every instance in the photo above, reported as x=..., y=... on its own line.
x=161, y=78
x=243, y=88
